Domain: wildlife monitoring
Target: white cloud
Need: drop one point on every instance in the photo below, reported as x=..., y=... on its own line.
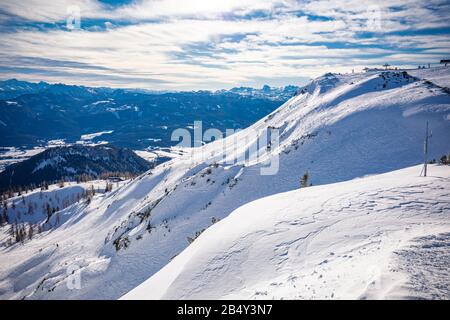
x=181, y=8
x=50, y=11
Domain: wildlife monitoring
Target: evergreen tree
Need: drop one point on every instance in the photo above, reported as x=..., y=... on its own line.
x=304, y=181
x=48, y=210
x=17, y=234
x=30, y=209
x=30, y=231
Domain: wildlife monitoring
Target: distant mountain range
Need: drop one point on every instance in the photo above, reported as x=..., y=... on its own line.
x=32, y=113
x=13, y=88
x=69, y=162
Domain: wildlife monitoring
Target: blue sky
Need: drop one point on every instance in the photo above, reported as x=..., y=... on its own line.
x=212, y=44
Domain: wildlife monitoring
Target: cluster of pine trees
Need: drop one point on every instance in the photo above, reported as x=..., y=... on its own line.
x=445, y=159
x=18, y=191
x=89, y=194
x=83, y=178
x=108, y=187
x=21, y=232
x=122, y=175
x=4, y=219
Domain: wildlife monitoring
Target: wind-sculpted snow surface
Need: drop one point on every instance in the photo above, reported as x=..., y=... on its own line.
x=385, y=236
x=337, y=128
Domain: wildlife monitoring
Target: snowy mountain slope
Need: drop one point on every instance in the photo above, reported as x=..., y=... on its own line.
x=30, y=207
x=384, y=236
x=439, y=76
x=340, y=127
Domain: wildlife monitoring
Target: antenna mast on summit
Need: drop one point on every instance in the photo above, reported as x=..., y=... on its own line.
x=425, y=151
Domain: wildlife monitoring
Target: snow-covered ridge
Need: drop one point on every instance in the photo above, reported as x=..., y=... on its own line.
x=376, y=237
x=338, y=128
